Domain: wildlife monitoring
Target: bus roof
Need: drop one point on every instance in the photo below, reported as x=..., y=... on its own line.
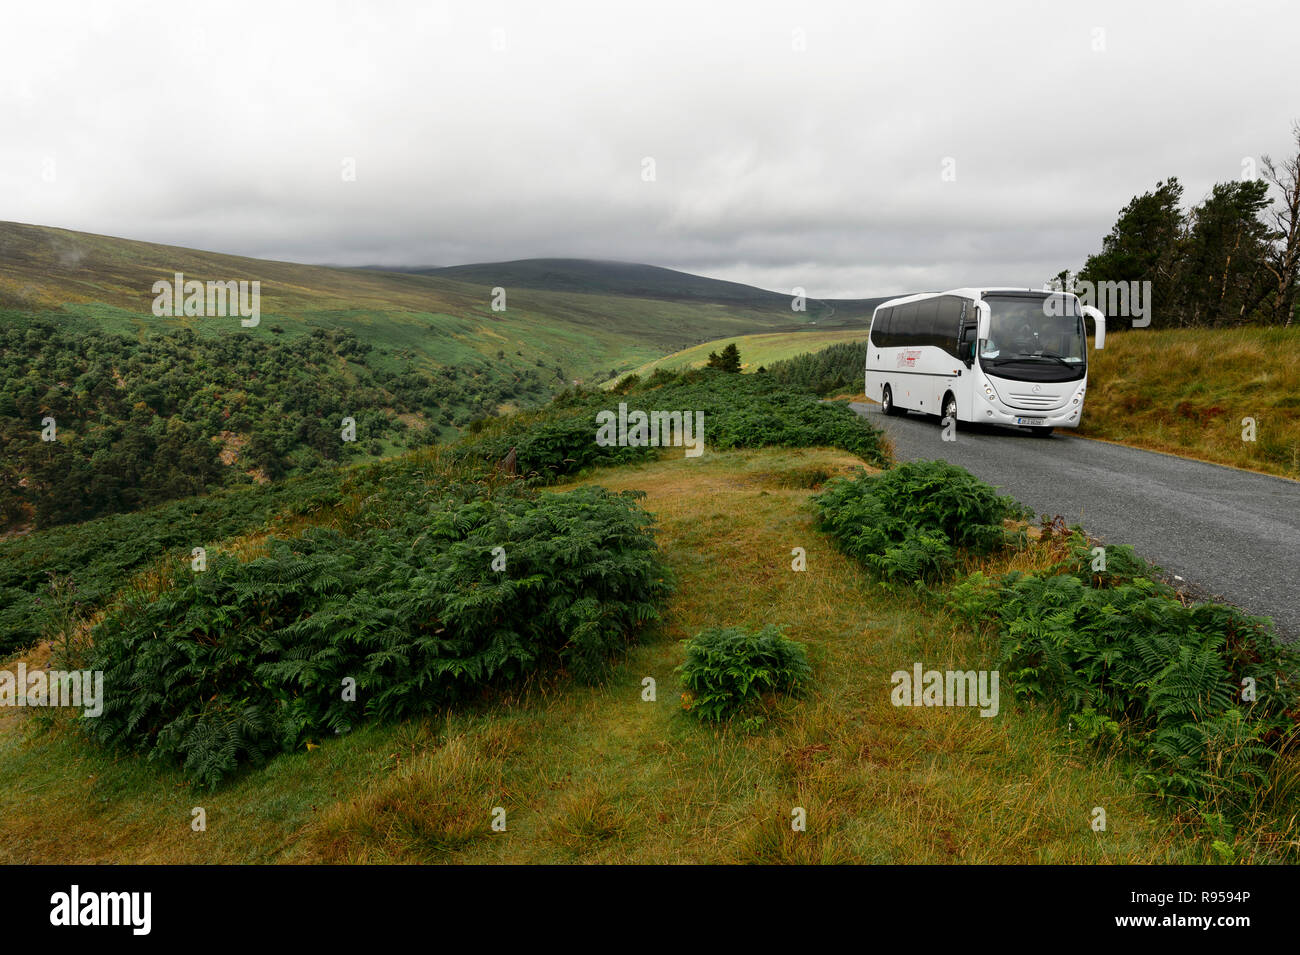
x=974, y=293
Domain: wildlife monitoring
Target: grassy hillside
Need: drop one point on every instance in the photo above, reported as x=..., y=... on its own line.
x=1188, y=391
x=589, y=276
x=156, y=407
x=763, y=349
x=431, y=319
x=603, y=772
x=650, y=281
x=594, y=774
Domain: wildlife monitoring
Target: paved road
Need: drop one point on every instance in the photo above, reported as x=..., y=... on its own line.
x=1229, y=534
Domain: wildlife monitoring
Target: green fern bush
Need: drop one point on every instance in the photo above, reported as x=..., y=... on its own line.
x=1122, y=564
x=1134, y=665
x=248, y=659
x=912, y=522
x=740, y=411
x=727, y=669
x=1135, y=668
x=98, y=557
x=102, y=555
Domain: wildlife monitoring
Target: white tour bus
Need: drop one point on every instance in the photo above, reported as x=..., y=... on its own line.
x=1003, y=356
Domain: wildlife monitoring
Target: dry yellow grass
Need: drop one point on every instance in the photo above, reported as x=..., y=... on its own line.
x=596, y=774
x=1189, y=391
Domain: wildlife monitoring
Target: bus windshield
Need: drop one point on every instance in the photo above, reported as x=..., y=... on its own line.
x=1030, y=328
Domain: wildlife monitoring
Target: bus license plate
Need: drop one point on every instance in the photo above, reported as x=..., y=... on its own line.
x=1030, y=421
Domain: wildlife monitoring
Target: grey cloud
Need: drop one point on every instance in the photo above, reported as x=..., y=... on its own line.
x=226, y=127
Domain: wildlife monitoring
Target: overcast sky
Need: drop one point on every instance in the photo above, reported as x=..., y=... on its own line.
x=793, y=144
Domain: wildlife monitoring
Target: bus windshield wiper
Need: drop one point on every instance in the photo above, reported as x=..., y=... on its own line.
x=1058, y=358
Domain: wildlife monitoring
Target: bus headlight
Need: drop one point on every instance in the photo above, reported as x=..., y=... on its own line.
x=989, y=393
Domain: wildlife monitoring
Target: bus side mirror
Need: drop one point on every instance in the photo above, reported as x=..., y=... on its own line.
x=985, y=317
x=1100, y=321
x=966, y=345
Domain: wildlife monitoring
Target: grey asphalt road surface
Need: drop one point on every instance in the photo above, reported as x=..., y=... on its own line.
x=1231, y=535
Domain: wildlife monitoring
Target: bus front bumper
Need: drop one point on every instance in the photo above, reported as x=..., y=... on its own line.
x=1067, y=417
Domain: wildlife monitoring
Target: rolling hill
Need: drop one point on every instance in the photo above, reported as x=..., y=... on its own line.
x=590, y=276
x=585, y=318
x=758, y=350
x=146, y=408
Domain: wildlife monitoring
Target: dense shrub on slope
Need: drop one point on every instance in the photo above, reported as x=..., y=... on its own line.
x=739, y=411
x=835, y=369
x=250, y=658
x=98, y=557
x=83, y=565
x=1132, y=665
x=910, y=523
x=145, y=420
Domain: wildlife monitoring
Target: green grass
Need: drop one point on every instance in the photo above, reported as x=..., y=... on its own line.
x=762, y=349
x=1187, y=392
x=79, y=277
x=594, y=774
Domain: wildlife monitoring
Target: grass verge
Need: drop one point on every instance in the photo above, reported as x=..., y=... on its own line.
x=597, y=774
x=1190, y=392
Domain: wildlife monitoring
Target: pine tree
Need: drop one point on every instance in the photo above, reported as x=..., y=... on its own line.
x=729, y=360
x=1145, y=244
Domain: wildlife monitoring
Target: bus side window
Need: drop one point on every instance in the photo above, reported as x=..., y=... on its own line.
x=948, y=324
x=928, y=317
x=904, y=327
x=880, y=328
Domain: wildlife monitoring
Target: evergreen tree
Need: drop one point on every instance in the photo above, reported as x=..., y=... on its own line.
x=1144, y=244
x=729, y=360
x=1224, y=278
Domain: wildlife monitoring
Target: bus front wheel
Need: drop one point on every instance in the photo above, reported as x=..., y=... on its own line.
x=887, y=402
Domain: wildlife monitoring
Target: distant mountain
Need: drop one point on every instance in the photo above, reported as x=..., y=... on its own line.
x=606, y=277
x=610, y=278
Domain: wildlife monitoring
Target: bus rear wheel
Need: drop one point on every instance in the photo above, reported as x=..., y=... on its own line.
x=949, y=409
x=887, y=402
